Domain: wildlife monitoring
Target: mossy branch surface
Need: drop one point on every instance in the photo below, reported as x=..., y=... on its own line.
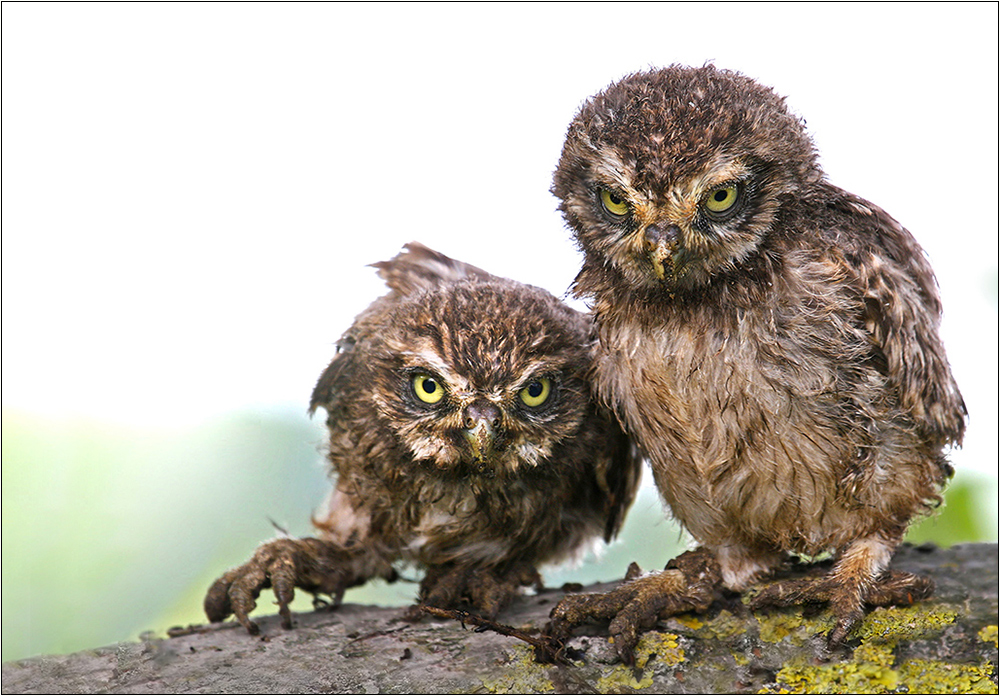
x=947, y=644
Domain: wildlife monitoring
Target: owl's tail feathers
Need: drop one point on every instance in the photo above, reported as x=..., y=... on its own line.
x=418, y=268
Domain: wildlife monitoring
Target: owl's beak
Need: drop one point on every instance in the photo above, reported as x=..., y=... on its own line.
x=481, y=439
x=661, y=256
x=661, y=242
x=482, y=424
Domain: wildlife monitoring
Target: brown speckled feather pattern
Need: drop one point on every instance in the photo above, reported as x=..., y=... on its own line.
x=404, y=483
x=778, y=361
x=464, y=438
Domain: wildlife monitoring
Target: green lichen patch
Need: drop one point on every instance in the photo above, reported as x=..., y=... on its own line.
x=988, y=634
x=521, y=675
x=666, y=649
x=916, y=621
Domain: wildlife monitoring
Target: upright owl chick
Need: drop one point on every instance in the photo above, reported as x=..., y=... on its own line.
x=464, y=439
x=768, y=339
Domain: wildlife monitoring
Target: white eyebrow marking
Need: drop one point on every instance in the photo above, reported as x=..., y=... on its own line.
x=535, y=368
x=610, y=168
x=431, y=360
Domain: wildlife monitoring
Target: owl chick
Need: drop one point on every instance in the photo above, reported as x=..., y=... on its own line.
x=464, y=439
x=769, y=340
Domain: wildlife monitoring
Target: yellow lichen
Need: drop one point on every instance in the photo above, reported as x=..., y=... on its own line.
x=892, y=623
x=522, y=675
x=931, y=677
x=863, y=677
x=621, y=676
x=988, y=634
x=664, y=646
x=872, y=668
x=689, y=621
x=723, y=626
x=777, y=625
x=915, y=676
x=884, y=623
x=875, y=653
x=799, y=677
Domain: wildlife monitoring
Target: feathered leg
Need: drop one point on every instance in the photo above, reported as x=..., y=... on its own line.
x=858, y=578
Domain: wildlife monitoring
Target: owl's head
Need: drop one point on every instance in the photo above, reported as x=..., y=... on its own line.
x=481, y=376
x=460, y=371
x=672, y=177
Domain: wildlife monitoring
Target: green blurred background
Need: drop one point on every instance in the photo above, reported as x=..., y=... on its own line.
x=112, y=531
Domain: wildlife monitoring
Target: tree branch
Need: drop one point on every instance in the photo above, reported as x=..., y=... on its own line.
x=945, y=644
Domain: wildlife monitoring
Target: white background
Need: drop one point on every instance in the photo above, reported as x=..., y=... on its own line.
x=191, y=193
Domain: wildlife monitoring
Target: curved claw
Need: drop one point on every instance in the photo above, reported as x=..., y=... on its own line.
x=283, y=575
x=221, y=601
x=488, y=590
x=635, y=605
x=236, y=592
x=687, y=584
x=284, y=564
x=847, y=600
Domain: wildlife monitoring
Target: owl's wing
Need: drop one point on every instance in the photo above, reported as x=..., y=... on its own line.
x=902, y=313
x=619, y=481
x=335, y=380
x=331, y=384
x=413, y=270
x=418, y=268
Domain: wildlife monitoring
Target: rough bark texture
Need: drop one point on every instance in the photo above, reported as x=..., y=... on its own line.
x=947, y=644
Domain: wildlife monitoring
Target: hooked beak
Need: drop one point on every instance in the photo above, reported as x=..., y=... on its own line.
x=482, y=424
x=661, y=243
x=481, y=439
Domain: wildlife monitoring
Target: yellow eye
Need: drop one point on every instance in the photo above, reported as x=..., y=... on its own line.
x=613, y=203
x=722, y=199
x=537, y=392
x=428, y=389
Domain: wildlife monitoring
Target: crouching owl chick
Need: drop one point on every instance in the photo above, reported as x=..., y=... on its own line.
x=464, y=439
x=769, y=340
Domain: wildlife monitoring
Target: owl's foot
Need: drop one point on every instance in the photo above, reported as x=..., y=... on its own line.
x=858, y=578
x=488, y=590
x=688, y=583
x=314, y=565
x=847, y=600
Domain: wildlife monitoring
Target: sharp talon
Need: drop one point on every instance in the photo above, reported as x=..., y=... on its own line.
x=286, y=617
x=626, y=656
x=688, y=584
